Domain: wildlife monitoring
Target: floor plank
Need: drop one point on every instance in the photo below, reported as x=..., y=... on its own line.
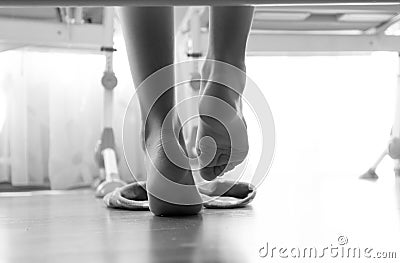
x=75, y=227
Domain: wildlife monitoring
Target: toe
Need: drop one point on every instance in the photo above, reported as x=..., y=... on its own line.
x=212, y=172
x=219, y=170
x=222, y=160
x=229, y=167
x=208, y=174
x=238, y=190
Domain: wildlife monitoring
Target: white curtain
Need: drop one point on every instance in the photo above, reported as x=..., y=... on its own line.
x=50, y=117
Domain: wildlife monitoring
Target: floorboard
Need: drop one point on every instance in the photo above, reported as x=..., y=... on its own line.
x=75, y=227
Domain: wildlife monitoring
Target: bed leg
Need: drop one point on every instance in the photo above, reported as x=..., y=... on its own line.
x=394, y=144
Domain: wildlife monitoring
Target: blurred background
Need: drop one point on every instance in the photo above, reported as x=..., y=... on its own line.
x=333, y=112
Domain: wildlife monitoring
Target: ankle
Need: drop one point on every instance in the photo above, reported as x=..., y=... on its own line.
x=155, y=127
x=225, y=84
x=231, y=72
x=228, y=57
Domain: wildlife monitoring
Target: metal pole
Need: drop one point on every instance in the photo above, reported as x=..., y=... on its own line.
x=108, y=74
x=396, y=122
x=106, y=152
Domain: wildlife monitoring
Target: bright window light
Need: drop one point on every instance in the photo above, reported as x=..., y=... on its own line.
x=365, y=17
x=393, y=30
x=282, y=16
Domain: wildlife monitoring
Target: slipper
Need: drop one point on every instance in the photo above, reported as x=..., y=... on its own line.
x=221, y=194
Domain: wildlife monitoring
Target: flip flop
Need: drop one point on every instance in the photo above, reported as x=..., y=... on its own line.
x=221, y=194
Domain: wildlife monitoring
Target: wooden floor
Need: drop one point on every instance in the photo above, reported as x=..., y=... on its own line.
x=76, y=227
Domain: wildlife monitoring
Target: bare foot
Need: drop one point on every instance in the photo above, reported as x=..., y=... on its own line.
x=232, y=145
x=171, y=189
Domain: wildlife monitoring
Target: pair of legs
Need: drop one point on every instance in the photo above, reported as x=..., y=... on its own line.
x=149, y=37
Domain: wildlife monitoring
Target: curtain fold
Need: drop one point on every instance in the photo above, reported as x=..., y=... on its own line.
x=52, y=118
